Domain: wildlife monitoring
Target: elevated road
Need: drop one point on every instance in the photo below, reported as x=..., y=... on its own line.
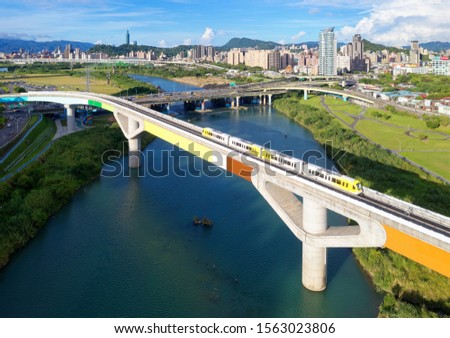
x=263, y=89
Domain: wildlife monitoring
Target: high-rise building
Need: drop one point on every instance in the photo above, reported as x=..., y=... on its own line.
x=274, y=60
x=127, y=37
x=358, y=62
x=236, y=56
x=358, y=47
x=68, y=51
x=327, y=52
x=414, y=53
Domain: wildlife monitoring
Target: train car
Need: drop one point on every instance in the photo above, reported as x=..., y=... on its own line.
x=290, y=163
x=241, y=145
x=216, y=135
x=336, y=180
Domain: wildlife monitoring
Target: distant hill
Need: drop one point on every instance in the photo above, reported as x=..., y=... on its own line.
x=248, y=43
x=374, y=47
x=126, y=49
x=436, y=46
x=13, y=45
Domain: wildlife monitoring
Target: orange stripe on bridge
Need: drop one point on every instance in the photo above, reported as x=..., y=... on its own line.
x=418, y=250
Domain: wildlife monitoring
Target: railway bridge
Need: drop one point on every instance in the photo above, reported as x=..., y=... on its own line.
x=382, y=221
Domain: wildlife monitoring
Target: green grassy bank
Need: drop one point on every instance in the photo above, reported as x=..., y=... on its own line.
x=412, y=290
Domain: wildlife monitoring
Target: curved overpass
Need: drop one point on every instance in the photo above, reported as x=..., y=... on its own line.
x=383, y=221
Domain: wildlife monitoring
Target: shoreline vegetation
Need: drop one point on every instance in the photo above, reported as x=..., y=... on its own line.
x=411, y=290
x=32, y=196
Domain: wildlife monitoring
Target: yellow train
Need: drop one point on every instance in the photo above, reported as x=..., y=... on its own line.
x=291, y=164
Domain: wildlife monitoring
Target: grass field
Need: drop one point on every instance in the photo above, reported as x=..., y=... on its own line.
x=397, y=132
x=66, y=82
x=437, y=161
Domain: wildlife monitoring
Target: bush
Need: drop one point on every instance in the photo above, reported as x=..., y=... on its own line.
x=433, y=123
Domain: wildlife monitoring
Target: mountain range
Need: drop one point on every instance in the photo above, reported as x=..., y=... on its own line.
x=13, y=45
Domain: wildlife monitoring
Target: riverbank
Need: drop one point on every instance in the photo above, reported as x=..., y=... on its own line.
x=31, y=197
x=201, y=81
x=412, y=290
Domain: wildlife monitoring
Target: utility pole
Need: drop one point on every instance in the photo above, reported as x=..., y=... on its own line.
x=88, y=79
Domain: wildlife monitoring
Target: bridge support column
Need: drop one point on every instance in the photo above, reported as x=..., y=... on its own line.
x=203, y=105
x=238, y=98
x=260, y=99
x=305, y=95
x=314, y=260
x=270, y=99
x=70, y=117
x=134, y=146
x=264, y=100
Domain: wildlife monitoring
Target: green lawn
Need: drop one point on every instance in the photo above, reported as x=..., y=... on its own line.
x=432, y=153
x=438, y=162
x=337, y=104
x=395, y=138
x=68, y=83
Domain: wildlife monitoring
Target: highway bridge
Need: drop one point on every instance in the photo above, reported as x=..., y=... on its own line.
x=263, y=90
x=383, y=221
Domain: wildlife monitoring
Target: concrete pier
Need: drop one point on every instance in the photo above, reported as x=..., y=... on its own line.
x=270, y=99
x=70, y=117
x=238, y=98
x=314, y=268
x=134, y=145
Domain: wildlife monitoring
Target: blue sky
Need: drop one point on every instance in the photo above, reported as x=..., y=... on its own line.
x=174, y=22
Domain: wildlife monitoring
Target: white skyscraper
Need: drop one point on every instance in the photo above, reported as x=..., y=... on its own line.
x=327, y=52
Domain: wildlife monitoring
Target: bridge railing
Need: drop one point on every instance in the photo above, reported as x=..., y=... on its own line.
x=408, y=208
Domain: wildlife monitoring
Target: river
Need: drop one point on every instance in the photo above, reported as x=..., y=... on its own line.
x=126, y=246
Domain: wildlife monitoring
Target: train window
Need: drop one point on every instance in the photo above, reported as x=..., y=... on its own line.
x=333, y=180
x=339, y=182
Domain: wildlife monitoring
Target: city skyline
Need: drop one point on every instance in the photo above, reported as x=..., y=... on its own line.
x=176, y=22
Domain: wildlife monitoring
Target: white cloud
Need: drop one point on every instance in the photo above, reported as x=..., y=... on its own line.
x=208, y=36
x=397, y=22
x=298, y=36
x=187, y=41
x=162, y=43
